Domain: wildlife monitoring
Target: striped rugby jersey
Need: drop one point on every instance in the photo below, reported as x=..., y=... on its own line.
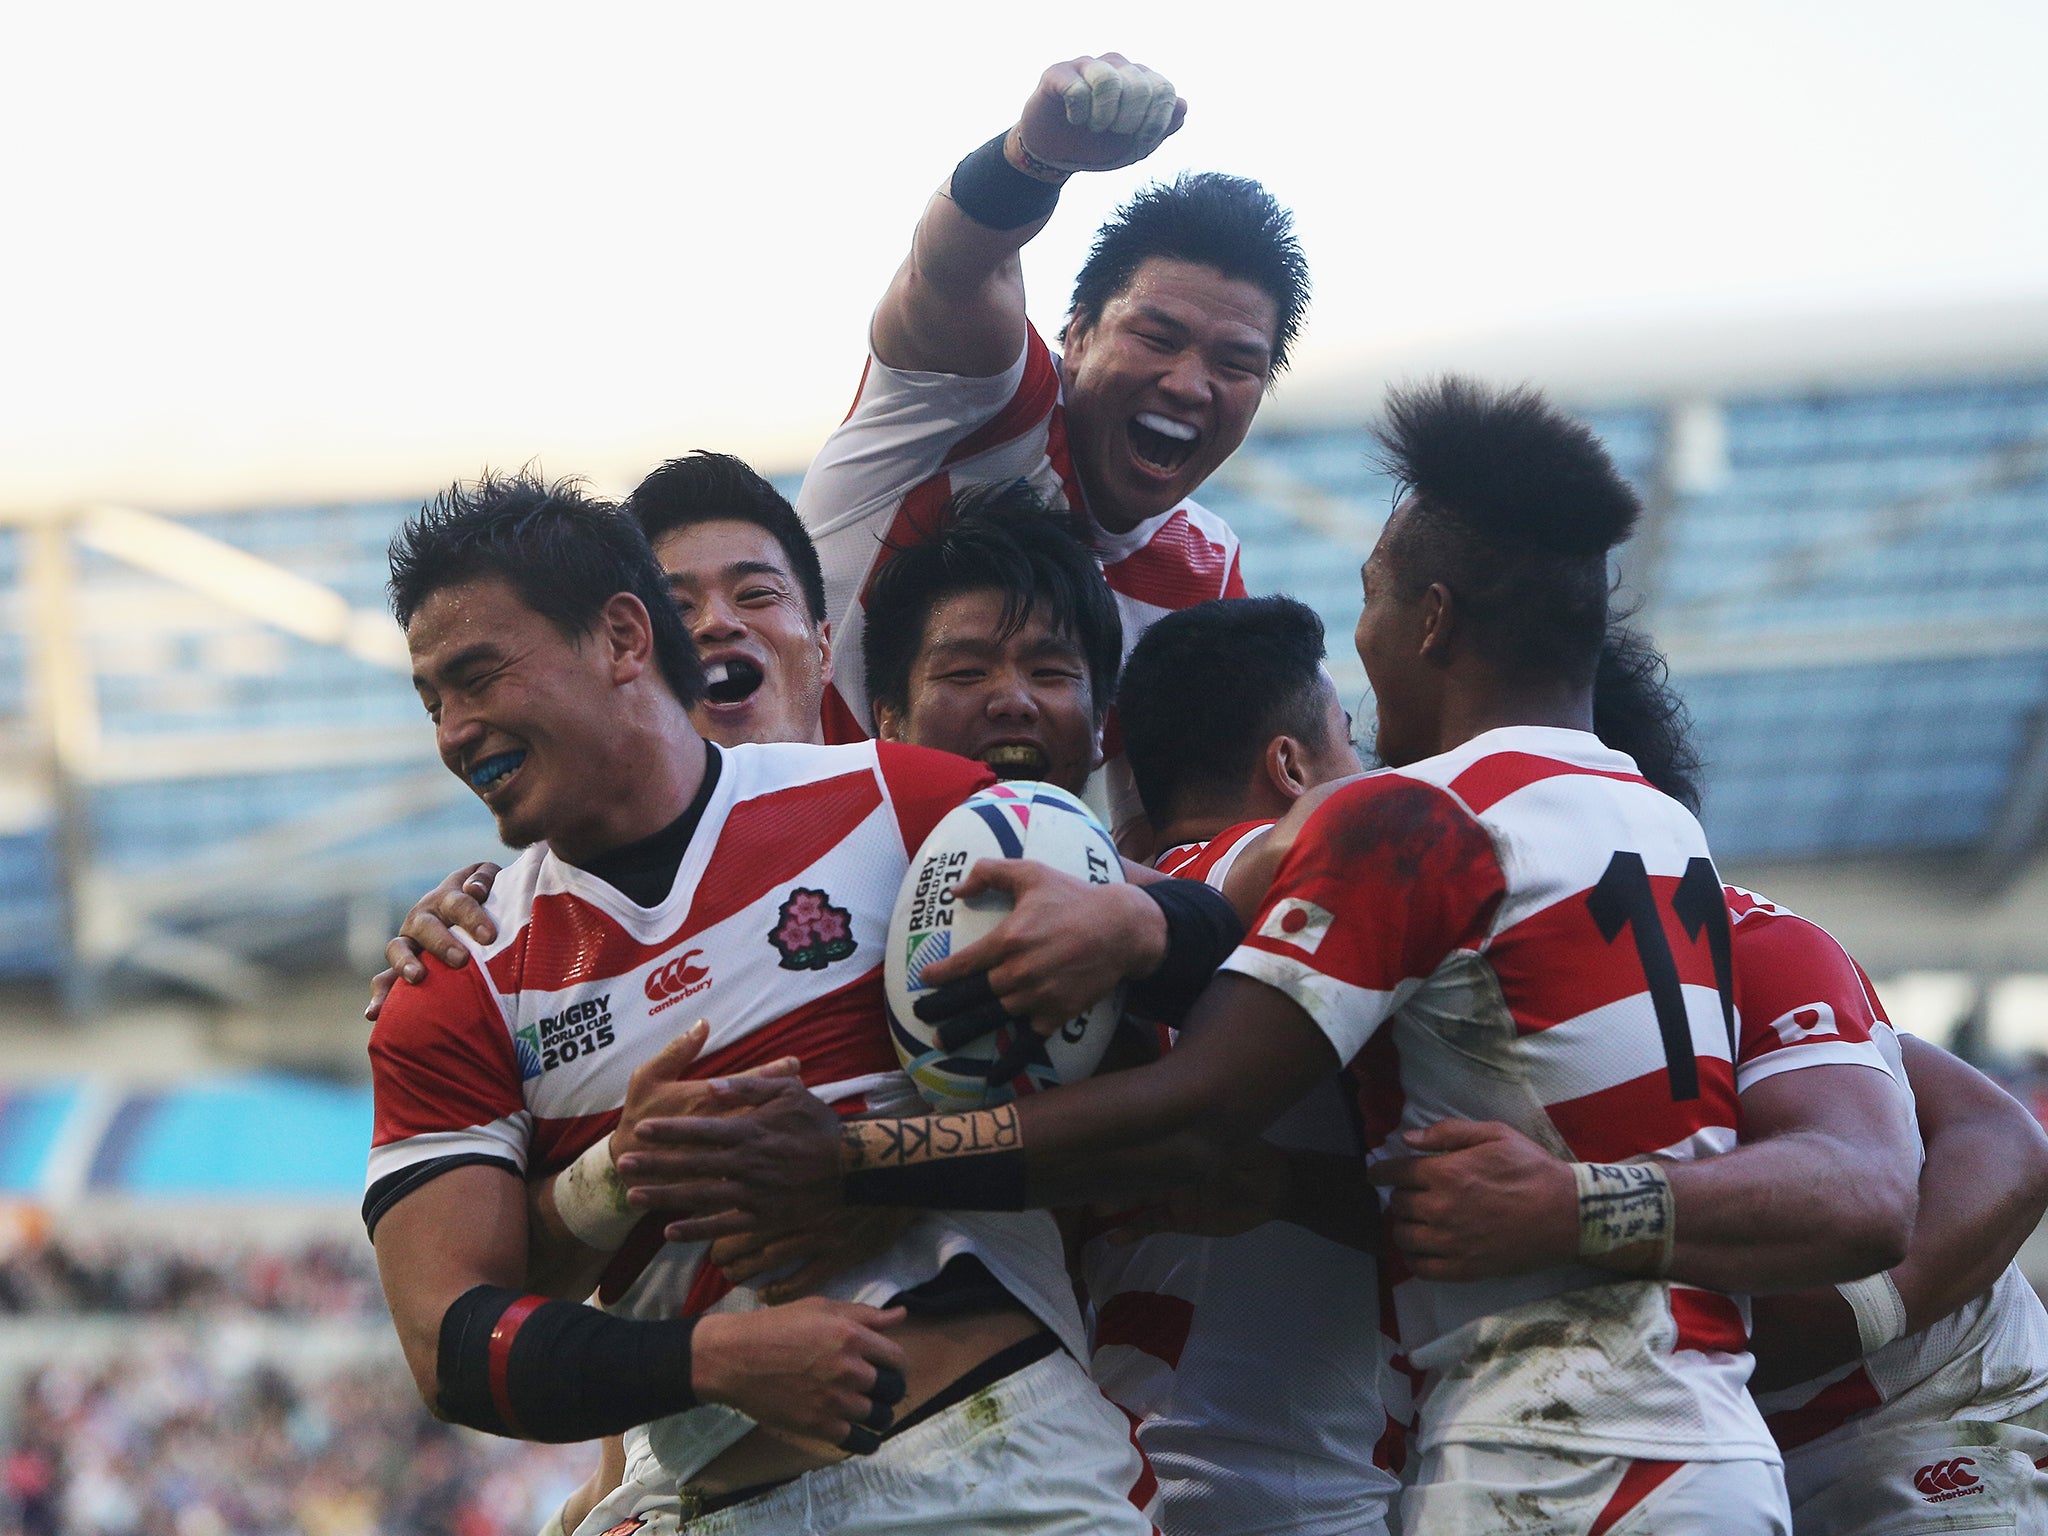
x=1805, y=1002
x=773, y=931
x=911, y=440
x=1523, y=930
x=1256, y=1377
x=1210, y=861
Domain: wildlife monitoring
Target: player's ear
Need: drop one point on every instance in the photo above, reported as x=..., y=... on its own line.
x=888, y=722
x=1286, y=767
x=824, y=653
x=1074, y=338
x=627, y=634
x=1439, y=621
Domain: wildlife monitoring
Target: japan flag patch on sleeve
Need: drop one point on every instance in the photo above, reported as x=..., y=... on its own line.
x=1297, y=922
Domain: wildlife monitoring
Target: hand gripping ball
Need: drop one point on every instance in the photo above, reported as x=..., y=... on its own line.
x=1018, y=819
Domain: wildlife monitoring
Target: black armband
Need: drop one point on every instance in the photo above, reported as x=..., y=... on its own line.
x=1202, y=928
x=991, y=1183
x=557, y=1371
x=995, y=194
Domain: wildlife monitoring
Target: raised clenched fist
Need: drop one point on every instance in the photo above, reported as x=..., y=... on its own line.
x=1097, y=114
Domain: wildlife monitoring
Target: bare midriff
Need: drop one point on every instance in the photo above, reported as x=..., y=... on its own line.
x=941, y=1351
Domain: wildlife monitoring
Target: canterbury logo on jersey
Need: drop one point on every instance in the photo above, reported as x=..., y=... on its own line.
x=1940, y=1481
x=580, y=1029
x=682, y=977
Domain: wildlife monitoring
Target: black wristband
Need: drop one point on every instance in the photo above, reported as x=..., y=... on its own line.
x=992, y=1181
x=557, y=1371
x=1202, y=928
x=995, y=194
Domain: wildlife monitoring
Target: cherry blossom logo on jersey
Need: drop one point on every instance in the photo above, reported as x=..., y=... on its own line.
x=627, y=1526
x=1940, y=1481
x=682, y=977
x=1297, y=922
x=810, y=933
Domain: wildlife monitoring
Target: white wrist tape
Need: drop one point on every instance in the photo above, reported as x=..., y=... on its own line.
x=1128, y=100
x=554, y=1525
x=1627, y=1209
x=1880, y=1313
x=590, y=1197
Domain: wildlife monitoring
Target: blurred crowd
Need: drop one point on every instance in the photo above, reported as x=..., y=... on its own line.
x=321, y=1277
x=180, y=1418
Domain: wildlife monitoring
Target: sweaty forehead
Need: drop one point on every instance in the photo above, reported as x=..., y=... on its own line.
x=462, y=616
x=706, y=552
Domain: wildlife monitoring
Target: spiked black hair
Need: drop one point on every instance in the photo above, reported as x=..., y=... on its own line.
x=565, y=552
x=1229, y=223
x=1513, y=506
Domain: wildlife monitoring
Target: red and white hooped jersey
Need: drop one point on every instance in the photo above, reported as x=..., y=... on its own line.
x=1523, y=930
x=911, y=440
x=1253, y=1370
x=1210, y=861
x=774, y=932
x=1806, y=1002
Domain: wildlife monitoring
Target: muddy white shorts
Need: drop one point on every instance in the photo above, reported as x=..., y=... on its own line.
x=1959, y=1475
x=1040, y=1452
x=1514, y=1491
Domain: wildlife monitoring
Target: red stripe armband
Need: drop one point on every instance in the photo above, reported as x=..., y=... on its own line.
x=535, y=1369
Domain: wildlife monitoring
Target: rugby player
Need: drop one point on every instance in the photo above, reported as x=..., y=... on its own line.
x=996, y=639
x=745, y=577
x=559, y=680
x=1496, y=897
x=1181, y=317
x=1253, y=1368
x=1907, y=1400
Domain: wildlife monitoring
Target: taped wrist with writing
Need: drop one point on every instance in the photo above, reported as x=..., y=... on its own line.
x=1628, y=1219
x=970, y=1162
x=590, y=1197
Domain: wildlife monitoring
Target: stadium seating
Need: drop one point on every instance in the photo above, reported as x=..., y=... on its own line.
x=1856, y=606
x=1854, y=595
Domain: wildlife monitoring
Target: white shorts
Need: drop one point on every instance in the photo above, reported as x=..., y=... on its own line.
x=1959, y=1475
x=1515, y=1491
x=1040, y=1451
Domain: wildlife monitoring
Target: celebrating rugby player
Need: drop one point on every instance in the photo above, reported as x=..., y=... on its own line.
x=1180, y=319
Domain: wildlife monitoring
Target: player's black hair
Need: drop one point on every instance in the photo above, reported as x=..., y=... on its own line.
x=706, y=487
x=993, y=538
x=1513, y=505
x=1636, y=710
x=1205, y=689
x=1230, y=223
x=565, y=552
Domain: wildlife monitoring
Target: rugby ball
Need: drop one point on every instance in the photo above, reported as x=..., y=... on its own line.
x=1018, y=819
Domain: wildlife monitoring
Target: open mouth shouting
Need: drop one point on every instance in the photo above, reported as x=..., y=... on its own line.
x=1161, y=443
x=1017, y=760
x=732, y=681
x=490, y=774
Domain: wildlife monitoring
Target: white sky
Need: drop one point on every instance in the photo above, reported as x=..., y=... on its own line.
x=315, y=250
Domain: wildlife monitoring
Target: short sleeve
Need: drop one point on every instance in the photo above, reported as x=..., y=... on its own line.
x=1804, y=1002
x=1389, y=877
x=923, y=785
x=446, y=1084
